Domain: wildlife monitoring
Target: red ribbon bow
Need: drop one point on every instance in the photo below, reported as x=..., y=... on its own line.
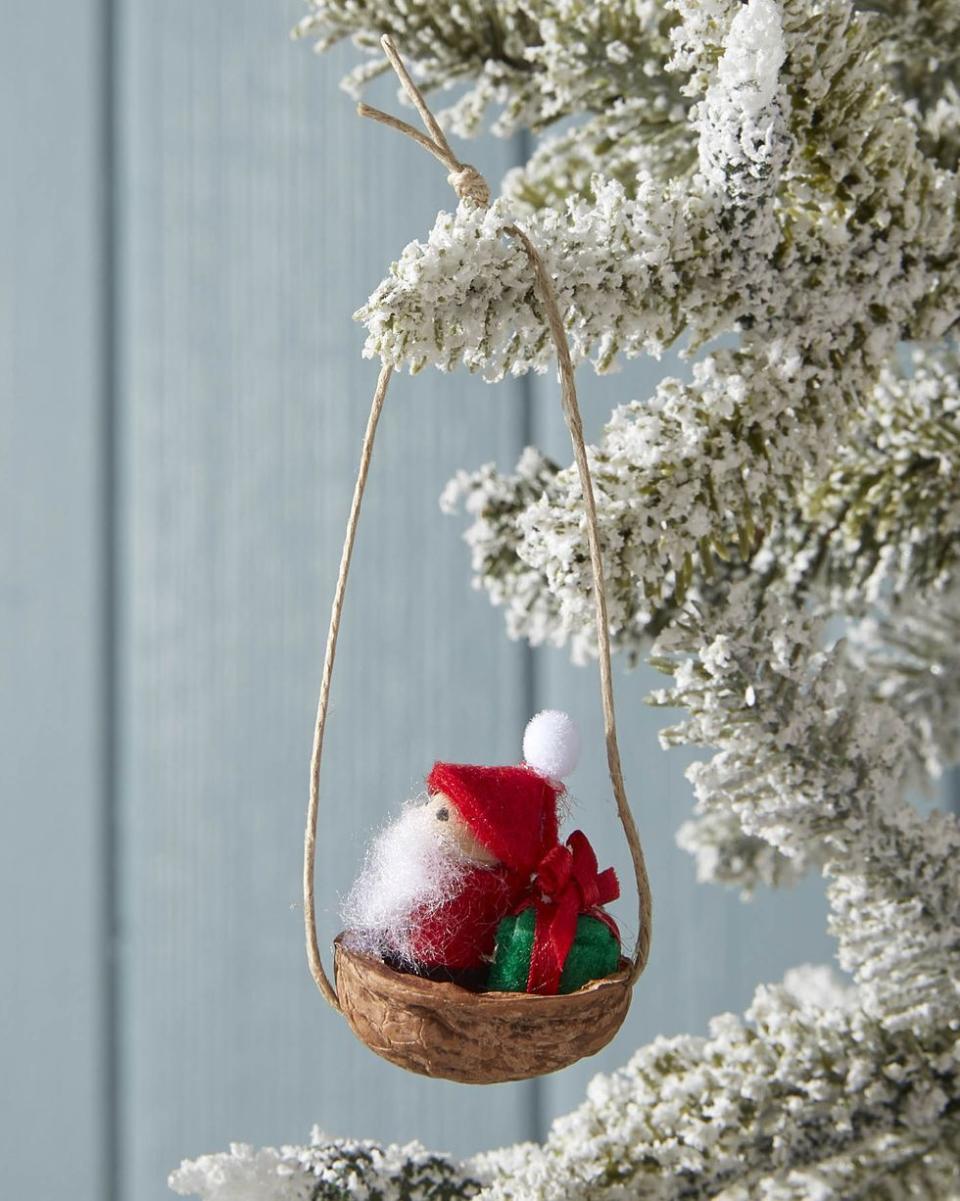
x=565, y=884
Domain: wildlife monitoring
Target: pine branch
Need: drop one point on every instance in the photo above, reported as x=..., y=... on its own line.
x=327, y=1170
x=533, y=61
x=686, y=482
x=630, y=141
x=791, y=176
x=921, y=51
x=888, y=1168
x=687, y=478
x=725, y=854
x=887, y=514
x=910, y=655
x=917, y=32
x=795, y=1088
x=495, y=503
x=809, y=761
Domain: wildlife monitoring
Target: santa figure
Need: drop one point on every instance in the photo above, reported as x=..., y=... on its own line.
x=482, y=845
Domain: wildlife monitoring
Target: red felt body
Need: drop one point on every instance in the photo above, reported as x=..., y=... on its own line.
x=461, y=933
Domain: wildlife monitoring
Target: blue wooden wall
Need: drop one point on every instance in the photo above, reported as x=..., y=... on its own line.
x=189, y=215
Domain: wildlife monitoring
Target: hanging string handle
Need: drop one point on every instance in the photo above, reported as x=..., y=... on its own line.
x=470, y=185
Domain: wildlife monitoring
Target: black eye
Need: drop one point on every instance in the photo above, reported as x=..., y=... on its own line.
x=443, y=815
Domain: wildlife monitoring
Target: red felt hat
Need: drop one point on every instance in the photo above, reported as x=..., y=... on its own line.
x=512, y=811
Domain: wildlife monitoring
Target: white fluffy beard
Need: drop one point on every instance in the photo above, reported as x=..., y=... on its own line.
x=409, y=868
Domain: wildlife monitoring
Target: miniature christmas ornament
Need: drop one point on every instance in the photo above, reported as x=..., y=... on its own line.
x=500, y=858
x=441, y=879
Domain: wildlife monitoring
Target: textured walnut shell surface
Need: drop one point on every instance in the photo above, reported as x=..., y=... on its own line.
x=447, y=1032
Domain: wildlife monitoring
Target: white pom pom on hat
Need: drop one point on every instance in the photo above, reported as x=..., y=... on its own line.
x=551, y=744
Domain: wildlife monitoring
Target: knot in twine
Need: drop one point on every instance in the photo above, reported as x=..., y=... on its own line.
x=466, y=180
x=469, y=184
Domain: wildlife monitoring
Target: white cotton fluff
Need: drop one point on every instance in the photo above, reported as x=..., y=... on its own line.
x=551, y=744
x=410, y=868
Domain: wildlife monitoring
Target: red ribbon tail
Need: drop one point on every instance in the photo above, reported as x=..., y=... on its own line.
x=555, y=930
x=608, y=886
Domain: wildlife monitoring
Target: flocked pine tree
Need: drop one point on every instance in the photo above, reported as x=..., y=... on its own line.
x=784, y=171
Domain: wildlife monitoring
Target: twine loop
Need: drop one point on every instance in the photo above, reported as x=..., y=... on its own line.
x=470, y=185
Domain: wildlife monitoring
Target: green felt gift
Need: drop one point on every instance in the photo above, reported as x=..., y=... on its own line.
x=595, y=953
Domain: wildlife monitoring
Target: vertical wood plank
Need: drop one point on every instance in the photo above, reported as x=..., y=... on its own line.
x=710, y=949
x=258, y=213
x=53, y=1082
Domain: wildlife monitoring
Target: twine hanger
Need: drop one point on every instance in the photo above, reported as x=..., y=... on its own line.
x=470, y=185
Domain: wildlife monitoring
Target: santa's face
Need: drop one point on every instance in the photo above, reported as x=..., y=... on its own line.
x=415, y=865
x=455, y=830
